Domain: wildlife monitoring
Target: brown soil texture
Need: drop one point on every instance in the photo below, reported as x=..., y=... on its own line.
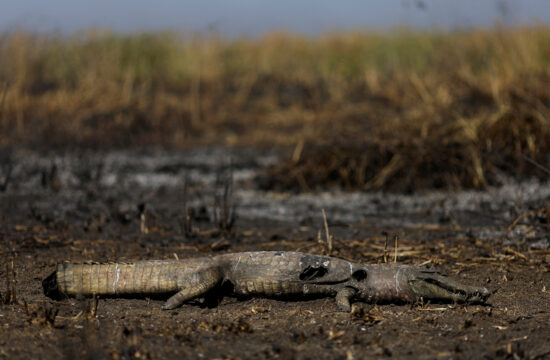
x=53, y=218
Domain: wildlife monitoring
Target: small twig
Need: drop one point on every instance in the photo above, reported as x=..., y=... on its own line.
x=5, y=90
x=227, y=200
x=7, y=168
x=143, y=219
x=187, y=221
x=329, y=238
x=298, y=151
x=395, y=238
x=143, y=226
x=515, y=252
x=215, y=209
x=425, y=263
x=90, y=310
x=536, y=164
x=10, y=297
x=223, y=204
x=524, y=215
x=385, y=247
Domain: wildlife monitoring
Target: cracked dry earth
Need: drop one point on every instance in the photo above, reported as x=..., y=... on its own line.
x=131, y=206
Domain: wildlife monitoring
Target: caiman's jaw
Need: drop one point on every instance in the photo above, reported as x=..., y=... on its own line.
x=430, y=285
x=396, y=282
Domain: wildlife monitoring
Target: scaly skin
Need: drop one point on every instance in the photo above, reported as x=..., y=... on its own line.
x=263, y=273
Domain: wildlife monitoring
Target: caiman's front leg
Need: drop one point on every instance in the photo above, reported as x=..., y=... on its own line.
x=193, y=286
x=343, y=298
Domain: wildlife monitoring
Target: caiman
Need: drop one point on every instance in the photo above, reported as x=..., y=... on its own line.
x=280, y=274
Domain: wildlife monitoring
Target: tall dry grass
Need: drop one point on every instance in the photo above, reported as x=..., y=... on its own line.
x=370, y=109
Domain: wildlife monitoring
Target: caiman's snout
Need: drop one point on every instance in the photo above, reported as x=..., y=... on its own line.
x=431, y=285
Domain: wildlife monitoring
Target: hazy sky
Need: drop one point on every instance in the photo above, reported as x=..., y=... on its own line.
x=253, y=17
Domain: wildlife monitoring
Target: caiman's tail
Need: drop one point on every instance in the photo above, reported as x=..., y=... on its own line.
x=143, y=277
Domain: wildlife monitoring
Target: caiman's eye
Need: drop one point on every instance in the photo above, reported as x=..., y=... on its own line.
x=359, y=275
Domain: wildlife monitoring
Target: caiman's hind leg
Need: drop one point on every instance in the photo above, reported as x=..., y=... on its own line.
x=193, y=286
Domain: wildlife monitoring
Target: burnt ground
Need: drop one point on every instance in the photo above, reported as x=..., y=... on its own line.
x=122, y=206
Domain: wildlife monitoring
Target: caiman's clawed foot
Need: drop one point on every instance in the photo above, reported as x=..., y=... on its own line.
x=430, y=285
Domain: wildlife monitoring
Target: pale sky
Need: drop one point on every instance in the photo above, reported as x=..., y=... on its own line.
x=254, y=17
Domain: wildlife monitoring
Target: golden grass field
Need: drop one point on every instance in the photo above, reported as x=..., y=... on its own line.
x=396, y=110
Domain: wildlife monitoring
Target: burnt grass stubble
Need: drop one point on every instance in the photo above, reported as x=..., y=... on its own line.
x=129, y=223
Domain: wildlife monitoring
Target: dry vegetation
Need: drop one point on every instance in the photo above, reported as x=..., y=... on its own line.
x=369, y=111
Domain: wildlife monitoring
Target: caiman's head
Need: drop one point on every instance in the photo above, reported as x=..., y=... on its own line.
x=390, y=282
x=386, y=282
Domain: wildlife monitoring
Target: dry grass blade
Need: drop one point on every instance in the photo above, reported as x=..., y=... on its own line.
x=385, y=173
x=515, y=252
x=3, y=101
x=6, y=168
x=465, y=107
x=395, y=238
x=525, y=215
x=187, y=225
x=385, y=247
x=533, y=162
x=327, y=234
x=143, y=228
x=89, y=309
x=10, y=297
x=224, y=208
x=298, y=151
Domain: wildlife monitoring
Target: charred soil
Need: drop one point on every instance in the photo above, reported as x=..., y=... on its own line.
x=157, y=205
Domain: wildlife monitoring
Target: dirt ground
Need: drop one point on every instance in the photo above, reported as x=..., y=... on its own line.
x=128, y=206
